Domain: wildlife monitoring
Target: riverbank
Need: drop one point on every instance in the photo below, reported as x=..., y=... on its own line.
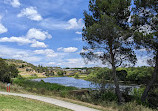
x=90, y=98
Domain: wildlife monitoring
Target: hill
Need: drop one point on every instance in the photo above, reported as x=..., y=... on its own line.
x=25, y=69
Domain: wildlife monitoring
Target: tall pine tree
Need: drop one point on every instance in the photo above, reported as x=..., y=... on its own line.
x=145, y=26
x=106, y=33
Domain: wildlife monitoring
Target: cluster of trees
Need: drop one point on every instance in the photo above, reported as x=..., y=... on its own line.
x=61, y=73
x=112, y=30
x=136, y=75
x=7, y=71
x=41, y=69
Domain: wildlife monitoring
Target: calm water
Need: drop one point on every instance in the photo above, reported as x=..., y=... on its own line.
x=68, y=81
x=79, y=83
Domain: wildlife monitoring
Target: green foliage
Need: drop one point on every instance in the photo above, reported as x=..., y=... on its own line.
x=41, y=85
x=13, y=71
x=106, y=29
x=61, y=73
x=48, y=74
x=145, y=34
x=22, y=66
x=106, y=32
x=108, y=96
x=99, y=76
x=137, y=93
x=121, y=75
x=76, y=76
x=152, y=97
x=139, y=75
x=7, y=71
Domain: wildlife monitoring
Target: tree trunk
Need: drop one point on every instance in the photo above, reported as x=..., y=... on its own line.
x=154, y=77
x=117, y=89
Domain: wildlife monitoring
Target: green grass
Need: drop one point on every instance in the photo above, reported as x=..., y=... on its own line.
x=11, y=103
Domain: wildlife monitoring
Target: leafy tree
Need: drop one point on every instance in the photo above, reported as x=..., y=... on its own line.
x=3, y=71
x=106, y=32
x=121, y=74
x=61, y=73
x=50, y=74
x=76, y=75
x=13, y=71
x=145, y=26
x=7, y=71
x=139, y=75
x=99, y=77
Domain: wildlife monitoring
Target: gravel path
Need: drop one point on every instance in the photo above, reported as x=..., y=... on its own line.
x=57, y=102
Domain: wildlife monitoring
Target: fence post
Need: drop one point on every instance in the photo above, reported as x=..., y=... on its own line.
x=8, y=87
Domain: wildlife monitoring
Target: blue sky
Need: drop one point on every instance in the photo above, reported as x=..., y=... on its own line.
x=46, y=32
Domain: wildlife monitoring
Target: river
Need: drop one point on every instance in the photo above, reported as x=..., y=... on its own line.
x=79, y=83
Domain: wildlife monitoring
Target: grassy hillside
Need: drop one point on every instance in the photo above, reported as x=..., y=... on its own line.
x=29, y=70
x=11, y=103
x=23, y=66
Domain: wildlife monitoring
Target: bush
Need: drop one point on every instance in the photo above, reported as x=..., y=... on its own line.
x=137, y=93
x=60, y=73
x=42, y=85
x=76, y=76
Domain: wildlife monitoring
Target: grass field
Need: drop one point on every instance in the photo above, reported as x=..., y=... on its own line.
x=11, y=103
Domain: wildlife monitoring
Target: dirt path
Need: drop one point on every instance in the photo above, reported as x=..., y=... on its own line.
x=57, y=102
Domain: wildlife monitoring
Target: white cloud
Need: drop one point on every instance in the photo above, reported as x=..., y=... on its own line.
x=73, y=61
x=78, y=39
x=14, y=3
x=142, y=60
x=69, y=49
x=47, y=52
x=38, y=44
x=23, y=40
x=78, y=32
x=30, y=38
x=13, y=53
x=60, y=49
x=99, y=53
x=38, y=34
x=30, y=13
x=2, y=28
x=78, y=62
x=54, y=24
x=20, y=40
x=75, y=24
x=51, y=63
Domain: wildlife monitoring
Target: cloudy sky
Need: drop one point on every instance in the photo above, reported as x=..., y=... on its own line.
x=46, y=32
